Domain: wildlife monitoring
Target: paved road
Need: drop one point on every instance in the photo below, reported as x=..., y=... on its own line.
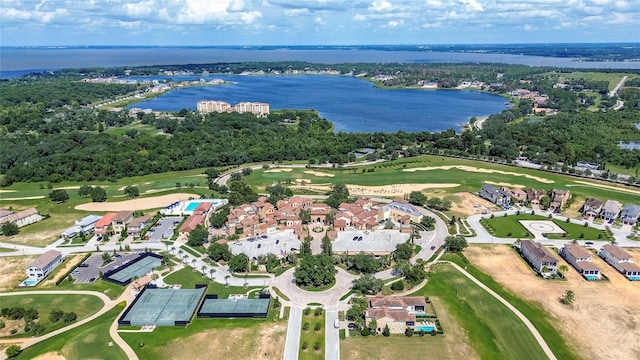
x=523, y=318
x=292, y=342
x=618, y=86
x=332, y=338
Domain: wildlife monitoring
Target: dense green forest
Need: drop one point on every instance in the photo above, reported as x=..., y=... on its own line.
x=51, y=132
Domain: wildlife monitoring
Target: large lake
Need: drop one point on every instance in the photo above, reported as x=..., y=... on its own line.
x=350, y=103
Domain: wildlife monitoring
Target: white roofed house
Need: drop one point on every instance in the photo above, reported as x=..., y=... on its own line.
x=610, y=210
x=580, y=259
x=621, y=260
x=543, y=261
x=44, y=264
x=84, y=225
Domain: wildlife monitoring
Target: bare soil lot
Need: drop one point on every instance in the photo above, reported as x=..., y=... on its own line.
x=264, y=342
x=469, y=204
x=603, y=322
x=12, y=270
x=136, y=204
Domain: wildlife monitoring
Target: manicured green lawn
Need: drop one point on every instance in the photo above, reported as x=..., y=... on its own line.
x=88, y=341
x=312, y=337
x=281, y=294
x=509, y=227
x=189, y=278
x=82, y=305
x=533, y=311
x=393, y=172
x=493, y=330
x=612, y=78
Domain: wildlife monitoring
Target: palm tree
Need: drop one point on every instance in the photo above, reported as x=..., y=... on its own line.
x=568, y=298
x=203, y=267
x=211, y=272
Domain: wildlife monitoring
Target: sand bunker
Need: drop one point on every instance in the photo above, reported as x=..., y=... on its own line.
x=610, y=187
x=50, y=356
x=277, y=170
x=480, y=170
x=386, y=190
x=23, y=198
x=318, y=173
x=136, y=204
x=6, y=191
x=506, y=184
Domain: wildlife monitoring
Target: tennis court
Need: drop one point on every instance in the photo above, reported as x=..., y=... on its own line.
x=233, y=308
x=163, y=307
x=136, y=268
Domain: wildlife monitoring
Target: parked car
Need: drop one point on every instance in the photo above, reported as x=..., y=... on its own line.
x=293, y=249
x=264, y=236
x=432, y=248
x=352, y=326
x=589, y=243
x=336, y=324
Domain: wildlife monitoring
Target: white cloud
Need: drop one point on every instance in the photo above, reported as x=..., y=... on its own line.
x=381, y=5
x=140, y=9
x=319, y=21
x=473, y=5
x=528, y=27
x=297, y=12
x=130, y=24
x=395, y=23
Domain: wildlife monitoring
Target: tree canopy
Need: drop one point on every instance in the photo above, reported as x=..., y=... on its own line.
x=315, y=271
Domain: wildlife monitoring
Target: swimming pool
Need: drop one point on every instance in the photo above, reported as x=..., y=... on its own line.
x=192, y=205
x=592, y=277
x=634, y=278
x=29, y=282
x=425, y=328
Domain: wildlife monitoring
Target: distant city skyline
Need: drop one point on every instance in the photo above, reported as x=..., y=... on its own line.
x=315, y=22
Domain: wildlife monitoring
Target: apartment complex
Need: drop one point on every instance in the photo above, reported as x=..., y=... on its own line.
x=255, y=108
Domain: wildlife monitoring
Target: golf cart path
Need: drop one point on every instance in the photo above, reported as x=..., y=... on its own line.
x=108, y=304
x=524, y=319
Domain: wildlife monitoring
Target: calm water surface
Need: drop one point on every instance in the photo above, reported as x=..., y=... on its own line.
x=351, y=104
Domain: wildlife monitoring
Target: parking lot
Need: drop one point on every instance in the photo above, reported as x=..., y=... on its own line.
x=280, y=243
x=90, y=269
x=376, y=242
x=163, y=228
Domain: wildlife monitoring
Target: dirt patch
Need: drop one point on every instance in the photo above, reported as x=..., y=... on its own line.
x=386, y=190
x=573, y=211
x=11, y=325
x=136, y=204
x=480, y=170
x=318, y=173
x=277, y=170
x=260, y=342
x=70, y=262
x=506, y=184
x=50, y=356
x=609, y=187
x=12, y=270
x=469, y=204
x=603, y=321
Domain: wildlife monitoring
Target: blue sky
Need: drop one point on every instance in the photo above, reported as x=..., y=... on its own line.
x=315, y=22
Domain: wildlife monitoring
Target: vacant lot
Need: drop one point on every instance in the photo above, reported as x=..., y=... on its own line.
x=13, y=270
x=454, y=345
x=603, y=321
x=510, y=227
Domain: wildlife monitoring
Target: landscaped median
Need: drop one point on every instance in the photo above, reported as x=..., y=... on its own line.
x=313, y=333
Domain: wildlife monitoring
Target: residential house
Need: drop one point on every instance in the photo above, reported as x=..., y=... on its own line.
x=137, y=225
x=319, y=213
x=534, y=196
x=397, y=312
x=559, y=198
x=543, y=261
x=497, y=196
x=518, y=194
x=580, y=259
x=85, y=226
x=3, y=214
x=102, y=226
x=44, y=264
x=120, y=221
x=22, y=218
x=592, y=207
x=610, y=210
x=629, y=214
x=621, y=260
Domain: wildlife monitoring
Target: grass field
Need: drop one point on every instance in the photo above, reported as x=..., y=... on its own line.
x=533, y=311
x=312, y=337
x=494, y=331
x=88, y=341
x=82, y=305
x=509, y=227
x=189, y=278
x=612, y=78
